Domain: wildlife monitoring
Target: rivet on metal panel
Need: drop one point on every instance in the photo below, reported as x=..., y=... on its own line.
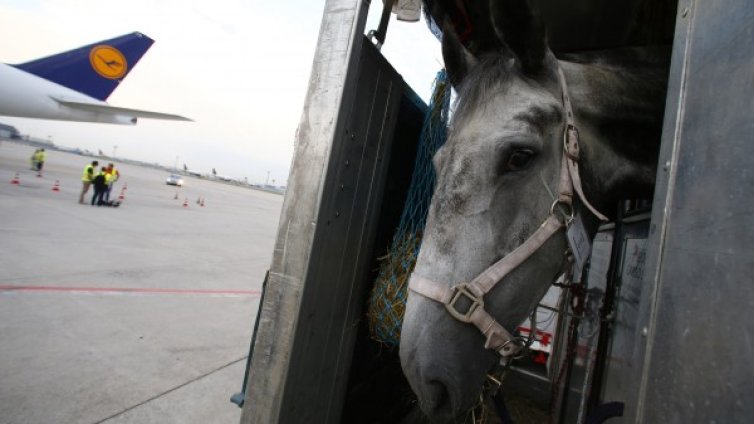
x=644, y=332
x=342, y=186
x=685, y=12
x=337, y=214
x=353, y=136
x=348, y=163
x=666, y=166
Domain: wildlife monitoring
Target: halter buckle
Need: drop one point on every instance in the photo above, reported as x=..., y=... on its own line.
x=571, y=142
x=462, y=291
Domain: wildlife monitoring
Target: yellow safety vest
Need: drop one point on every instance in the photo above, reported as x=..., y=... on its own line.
x=88, y=174
x=112, y=175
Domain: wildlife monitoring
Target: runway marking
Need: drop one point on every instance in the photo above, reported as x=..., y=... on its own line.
x=128, y=290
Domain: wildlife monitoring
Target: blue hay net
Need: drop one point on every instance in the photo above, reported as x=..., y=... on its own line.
x=388, y=298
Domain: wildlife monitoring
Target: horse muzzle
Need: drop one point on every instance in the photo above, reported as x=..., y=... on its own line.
x=444, y=365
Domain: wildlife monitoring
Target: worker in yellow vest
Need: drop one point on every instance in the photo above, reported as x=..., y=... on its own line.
x=111, y=176
x=33, y=160
x=86, y=179
x=39, y=159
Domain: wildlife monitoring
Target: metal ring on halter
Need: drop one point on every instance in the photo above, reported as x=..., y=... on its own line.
x=512, y=346
x=567, y=217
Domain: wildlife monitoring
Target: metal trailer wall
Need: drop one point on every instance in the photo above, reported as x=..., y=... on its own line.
x=325, y=245
x=693, y=351
x=680, y=339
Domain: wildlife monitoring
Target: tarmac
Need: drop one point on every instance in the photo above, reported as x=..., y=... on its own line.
x=137, y=314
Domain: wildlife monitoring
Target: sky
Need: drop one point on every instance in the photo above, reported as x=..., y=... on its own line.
x=239, y=68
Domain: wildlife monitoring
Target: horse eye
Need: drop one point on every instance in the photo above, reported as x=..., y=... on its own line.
x=518, y=160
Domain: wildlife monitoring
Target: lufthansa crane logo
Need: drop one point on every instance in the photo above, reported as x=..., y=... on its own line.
x=108, y=61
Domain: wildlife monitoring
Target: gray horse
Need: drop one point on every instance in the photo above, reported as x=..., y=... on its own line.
x=498, y=178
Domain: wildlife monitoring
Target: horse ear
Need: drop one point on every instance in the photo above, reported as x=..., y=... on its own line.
x=522, y=30
x=458, y=60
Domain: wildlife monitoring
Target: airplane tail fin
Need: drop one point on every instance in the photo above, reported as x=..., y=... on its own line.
x=95, y=69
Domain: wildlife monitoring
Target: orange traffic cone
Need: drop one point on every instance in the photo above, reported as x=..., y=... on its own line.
x=185, y=203
x=122, y=195
x=56, y=187
x=15, y=180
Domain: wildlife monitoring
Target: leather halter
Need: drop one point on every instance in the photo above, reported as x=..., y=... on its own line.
x=497, y=337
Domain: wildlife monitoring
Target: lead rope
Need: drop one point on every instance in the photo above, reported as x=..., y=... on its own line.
x=576, y=304
x=492, y=385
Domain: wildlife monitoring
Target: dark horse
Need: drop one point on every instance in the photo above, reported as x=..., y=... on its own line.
x=514, y=160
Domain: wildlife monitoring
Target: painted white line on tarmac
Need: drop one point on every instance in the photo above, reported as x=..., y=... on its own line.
x=126, y=291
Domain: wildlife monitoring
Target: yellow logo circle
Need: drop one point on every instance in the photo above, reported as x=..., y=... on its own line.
x=108, y=61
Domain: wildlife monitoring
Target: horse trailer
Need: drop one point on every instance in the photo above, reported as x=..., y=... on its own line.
x=653, y=330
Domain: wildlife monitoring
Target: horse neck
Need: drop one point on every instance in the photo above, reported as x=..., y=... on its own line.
x=618, y=99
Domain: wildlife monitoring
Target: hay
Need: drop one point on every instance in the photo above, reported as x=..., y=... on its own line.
x=521, y=411
x=387, y=301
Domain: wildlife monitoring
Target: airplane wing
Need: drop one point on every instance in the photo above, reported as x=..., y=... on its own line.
x=114, y=110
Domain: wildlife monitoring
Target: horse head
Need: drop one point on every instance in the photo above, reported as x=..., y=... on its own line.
x=499, y=177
